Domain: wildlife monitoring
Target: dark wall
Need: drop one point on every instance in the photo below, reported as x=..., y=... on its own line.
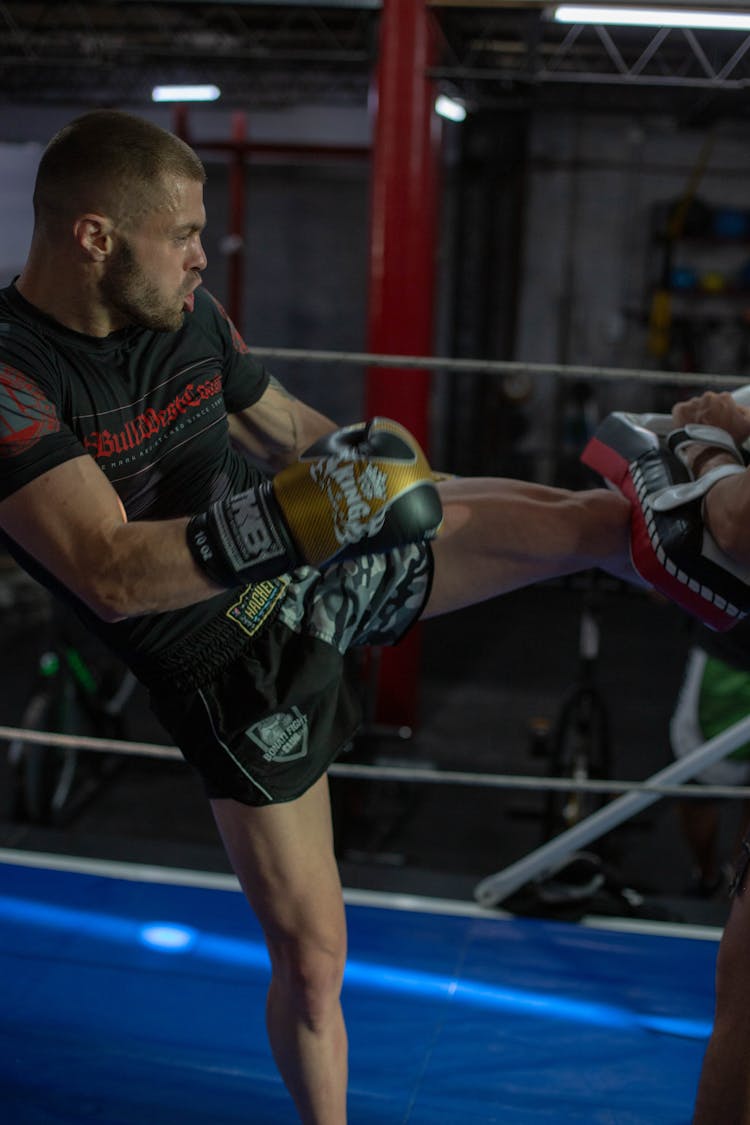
x=305, y=271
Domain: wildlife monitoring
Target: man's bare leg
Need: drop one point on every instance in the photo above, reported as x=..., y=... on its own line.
x=724, y=1089
x=497, y=535
x=500, y=534
x=283, y=856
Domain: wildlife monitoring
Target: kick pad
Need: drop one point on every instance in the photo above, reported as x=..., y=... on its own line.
x=671, y=549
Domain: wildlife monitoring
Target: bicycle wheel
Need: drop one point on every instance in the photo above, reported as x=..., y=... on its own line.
x=48, y=772
x=580, y=752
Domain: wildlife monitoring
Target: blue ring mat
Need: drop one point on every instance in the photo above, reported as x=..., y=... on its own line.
x=133, y=999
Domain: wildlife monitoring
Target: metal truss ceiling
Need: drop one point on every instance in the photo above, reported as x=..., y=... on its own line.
x=259, y=54
x=287, y=52
x=501, y=53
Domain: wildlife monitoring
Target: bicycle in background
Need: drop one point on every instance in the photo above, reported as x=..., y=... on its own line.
x=577, y=744
x=79, y=689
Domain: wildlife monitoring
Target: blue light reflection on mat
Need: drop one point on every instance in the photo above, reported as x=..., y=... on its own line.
x=172, y=937
x=168, y=937
x=99, y=1027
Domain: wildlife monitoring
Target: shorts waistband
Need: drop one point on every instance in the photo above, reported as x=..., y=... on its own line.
x=197, y=658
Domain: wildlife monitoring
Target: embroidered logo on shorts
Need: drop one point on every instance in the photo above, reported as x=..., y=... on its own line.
x=256, y=604
x=281, y=737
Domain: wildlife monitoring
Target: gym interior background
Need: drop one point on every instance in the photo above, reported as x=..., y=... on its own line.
x=590, y=213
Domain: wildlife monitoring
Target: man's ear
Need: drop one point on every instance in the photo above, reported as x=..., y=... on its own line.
x=93, y=234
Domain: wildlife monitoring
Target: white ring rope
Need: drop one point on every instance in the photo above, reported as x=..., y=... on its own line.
x=391, y=773
x=499, y=367
x=634, y=796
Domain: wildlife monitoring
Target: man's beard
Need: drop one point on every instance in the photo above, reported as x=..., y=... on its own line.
x=128, y=292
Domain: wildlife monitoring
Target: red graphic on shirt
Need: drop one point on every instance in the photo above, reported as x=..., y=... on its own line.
x=109, y=443
x=25, y=414
x=239, y=344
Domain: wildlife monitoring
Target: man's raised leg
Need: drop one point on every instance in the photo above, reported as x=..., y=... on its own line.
x=283, y=856
x=500, y=534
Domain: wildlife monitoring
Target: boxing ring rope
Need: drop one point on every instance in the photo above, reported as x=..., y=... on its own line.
x=635, y=796
x=543, y=861
x=500, y=367
x=403, y=774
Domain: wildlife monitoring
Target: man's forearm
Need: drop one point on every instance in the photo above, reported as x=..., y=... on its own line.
x=277, y=430
x=148, y=569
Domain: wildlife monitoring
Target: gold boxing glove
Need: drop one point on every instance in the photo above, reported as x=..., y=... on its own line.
x=364, y=489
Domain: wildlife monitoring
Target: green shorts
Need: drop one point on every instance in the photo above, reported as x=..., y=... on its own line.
x=262, y=713
x=713, y=697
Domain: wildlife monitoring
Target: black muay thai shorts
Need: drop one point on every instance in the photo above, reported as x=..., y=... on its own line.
x=261, y=699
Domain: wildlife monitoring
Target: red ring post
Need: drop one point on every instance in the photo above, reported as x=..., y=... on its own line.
x=402, y=267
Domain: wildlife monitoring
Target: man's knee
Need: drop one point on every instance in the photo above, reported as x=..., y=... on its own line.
x=309, y=971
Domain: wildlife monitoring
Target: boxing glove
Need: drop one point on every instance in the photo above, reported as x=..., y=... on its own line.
x=364, y=489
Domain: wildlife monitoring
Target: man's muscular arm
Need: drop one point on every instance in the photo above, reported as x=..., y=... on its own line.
x=366, y=488
x=726, y=508
x=71, y=520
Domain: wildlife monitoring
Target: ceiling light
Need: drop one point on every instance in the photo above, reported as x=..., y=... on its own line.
x=185, y=93
x=653, y=17
x=451, y=108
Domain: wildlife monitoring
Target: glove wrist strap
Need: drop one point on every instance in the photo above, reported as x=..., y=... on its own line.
x=679, y=494
x=710, y=436
x=242, y=538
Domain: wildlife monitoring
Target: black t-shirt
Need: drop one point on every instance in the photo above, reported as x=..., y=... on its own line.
x=149, y=407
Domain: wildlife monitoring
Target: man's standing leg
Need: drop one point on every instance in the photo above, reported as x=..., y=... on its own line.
x=498, y=535
x=724, y=1089
x=283, y=856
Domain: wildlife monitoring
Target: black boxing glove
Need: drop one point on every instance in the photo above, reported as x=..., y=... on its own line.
x=364, y=489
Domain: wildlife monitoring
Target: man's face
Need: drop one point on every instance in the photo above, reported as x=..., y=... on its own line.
x=154, y=269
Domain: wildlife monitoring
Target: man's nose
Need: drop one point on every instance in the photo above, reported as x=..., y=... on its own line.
x=198, y=259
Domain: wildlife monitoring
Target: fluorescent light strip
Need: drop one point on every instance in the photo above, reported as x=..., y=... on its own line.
x=185, y=93
x=653, y=17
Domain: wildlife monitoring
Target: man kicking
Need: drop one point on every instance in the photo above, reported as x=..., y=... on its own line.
x=235, y=585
